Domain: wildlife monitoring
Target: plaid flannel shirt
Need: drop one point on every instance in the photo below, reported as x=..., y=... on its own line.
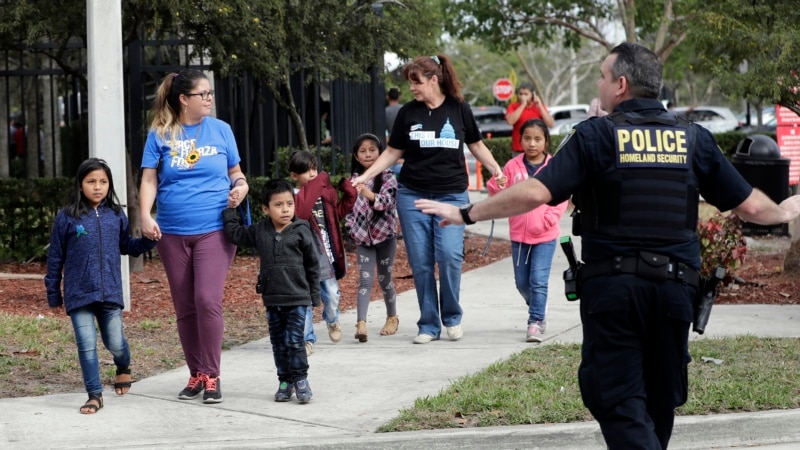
x=371, y=223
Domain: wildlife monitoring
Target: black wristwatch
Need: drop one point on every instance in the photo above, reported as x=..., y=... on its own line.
x=465, y=213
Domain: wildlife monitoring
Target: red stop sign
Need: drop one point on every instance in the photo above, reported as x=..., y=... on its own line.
x=502, y=89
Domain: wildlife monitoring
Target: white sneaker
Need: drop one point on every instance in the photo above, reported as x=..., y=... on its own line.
x=309, y=348
x=423, y=338
x=455, y=332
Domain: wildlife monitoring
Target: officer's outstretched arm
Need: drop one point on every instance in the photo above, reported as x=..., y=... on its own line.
x=759, y=208
x=519, y=198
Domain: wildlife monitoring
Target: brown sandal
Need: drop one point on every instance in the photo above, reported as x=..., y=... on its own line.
x=390, y=327
x=123, y=381
x=92, y=405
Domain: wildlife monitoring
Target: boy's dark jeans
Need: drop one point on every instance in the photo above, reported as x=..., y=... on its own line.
x=286, y=326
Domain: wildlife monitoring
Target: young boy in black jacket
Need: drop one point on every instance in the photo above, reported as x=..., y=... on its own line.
x=288, y=281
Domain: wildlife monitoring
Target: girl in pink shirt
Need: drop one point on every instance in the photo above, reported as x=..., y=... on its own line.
x=533, y=234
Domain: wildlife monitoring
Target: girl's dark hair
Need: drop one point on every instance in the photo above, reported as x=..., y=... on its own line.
x=302, y=161
x=525, y=85
x=80, y=205
x=540, y=124
x=358, y=168
x=439, y=65
x=272, y=187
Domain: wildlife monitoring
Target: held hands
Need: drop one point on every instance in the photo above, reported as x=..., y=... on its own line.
x=501, y=180
x=358, y=180
x=150, y=228
x=363, y=190
x=236, y=196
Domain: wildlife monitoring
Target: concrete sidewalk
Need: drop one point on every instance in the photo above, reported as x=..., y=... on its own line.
x=360, y=386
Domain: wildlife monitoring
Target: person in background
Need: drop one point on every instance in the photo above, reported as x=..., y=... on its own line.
x=528, y=106
x=86, y=242
x=392, y=108
x=533, y=234
x=190, y=170
x=373, y=228
x=641, y=252
x=286, y=247
x=325, y=124
x=318, y=202
x=430, y=132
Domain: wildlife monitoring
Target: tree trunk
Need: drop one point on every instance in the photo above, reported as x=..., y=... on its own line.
x=289, y=105
x=5, y=137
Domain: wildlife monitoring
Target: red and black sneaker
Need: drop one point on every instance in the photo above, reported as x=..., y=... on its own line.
x=213, y=392
x=194, y=387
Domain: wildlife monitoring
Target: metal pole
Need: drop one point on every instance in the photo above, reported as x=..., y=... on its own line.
x=107, y=101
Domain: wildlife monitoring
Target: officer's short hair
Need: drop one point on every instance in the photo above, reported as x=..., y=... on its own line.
x=641, y=67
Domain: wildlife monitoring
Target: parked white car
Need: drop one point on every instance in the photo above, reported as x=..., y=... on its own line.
x=566, y=116
x=563, y=112
x=716, y=119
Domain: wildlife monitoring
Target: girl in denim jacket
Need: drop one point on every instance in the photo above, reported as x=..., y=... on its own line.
x=86, y=242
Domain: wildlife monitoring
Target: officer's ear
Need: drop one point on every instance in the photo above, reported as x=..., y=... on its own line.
x=622, y=85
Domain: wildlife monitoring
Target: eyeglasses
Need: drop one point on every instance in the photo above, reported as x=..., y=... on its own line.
x=204, y=95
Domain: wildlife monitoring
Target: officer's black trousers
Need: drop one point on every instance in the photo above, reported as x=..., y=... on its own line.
x=635, y=353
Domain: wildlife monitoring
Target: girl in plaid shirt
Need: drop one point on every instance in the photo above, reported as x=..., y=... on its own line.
x=373, y=227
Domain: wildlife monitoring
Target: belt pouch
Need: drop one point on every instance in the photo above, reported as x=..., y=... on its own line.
x=653, y=266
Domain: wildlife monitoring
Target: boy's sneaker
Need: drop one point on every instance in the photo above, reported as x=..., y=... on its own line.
x=335, y=332
x=534, y=332
x=309, y=348
x=285, y=392
x=213, y=392
x=303, y=391
x=193, y=388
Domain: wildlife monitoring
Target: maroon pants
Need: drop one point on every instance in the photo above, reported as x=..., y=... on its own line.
x=196, y=268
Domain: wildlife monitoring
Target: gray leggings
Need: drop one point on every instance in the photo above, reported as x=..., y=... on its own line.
x=382, y=256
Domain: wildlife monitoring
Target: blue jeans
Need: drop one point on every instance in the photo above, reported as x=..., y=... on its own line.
x=109, y=321
x=286, y=335
x=531, y=274
x=429, y=245
x=329, y=292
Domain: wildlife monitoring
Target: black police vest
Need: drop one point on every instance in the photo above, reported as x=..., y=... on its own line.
x=650, y=191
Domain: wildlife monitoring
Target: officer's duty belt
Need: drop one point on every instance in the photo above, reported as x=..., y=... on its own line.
x=647, y=265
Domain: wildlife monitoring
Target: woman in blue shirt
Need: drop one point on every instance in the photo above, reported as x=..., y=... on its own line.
x=190, y=170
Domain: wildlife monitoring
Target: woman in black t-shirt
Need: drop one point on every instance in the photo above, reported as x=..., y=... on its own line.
x=430, y=133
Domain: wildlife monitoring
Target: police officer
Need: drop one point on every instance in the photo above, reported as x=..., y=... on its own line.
x=636, y=175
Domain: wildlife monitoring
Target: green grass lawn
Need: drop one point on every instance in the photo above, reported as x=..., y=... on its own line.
x=540, y=386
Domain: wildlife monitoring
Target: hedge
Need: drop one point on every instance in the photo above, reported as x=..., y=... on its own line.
x=28, y=207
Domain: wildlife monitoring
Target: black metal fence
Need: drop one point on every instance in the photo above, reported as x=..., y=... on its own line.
x=34, y=86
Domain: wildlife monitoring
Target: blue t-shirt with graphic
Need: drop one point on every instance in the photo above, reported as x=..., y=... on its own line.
x=193, y=182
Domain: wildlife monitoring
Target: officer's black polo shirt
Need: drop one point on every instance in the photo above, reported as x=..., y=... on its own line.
x=588, y=151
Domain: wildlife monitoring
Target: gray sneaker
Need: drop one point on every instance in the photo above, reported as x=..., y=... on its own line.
x=285, y=392
x=303, y=391
x=534, y=332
